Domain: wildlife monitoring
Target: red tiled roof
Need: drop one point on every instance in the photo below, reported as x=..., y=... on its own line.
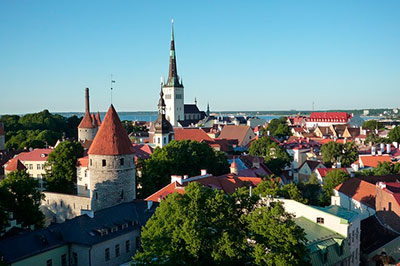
x=234, y=132
x=35, y=155
x=360, y=190
x=329, y=116
x=83, y=162
x=86, y=121
x=14, y=164
x=323, y=171
x=111, y=139
x=98, y=118
x=373, y=160
x=196, y=134
x=142, y=151
x=94, y=121
x=165, y=191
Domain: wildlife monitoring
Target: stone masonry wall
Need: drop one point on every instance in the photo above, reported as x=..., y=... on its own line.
x=86, y=133
x=113, y=183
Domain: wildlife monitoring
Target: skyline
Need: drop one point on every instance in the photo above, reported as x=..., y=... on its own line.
x=233, y=55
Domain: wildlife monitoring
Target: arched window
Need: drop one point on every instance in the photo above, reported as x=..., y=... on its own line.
x=103, y=162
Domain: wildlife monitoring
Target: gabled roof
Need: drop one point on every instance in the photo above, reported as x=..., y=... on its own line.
x=196, y=134
x=329, y=116
x=359, y=190
x=83, y=162
x=142, y=151
x=86, y=121
x=234, y=132
x=112, y=138
x=323, y=171
x=35, y=155
x=94, y=120
x=15, y=165
x=165, y=191
x=373, y=160
x=98, y=118
x=311, y=164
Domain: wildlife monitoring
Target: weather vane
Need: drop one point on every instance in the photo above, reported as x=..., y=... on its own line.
x=111, y=83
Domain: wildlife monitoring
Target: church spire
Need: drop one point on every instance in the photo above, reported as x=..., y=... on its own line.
x=173, y=79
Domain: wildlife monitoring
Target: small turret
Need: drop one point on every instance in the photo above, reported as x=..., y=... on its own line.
x=87, y=129
x=163, y=130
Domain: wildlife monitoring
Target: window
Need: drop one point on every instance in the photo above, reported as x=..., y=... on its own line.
x=38, y=166
x=320, y=220
x=107, y=254
x=325, y=256
x=390, y=206
x=90, y=162
x=352, y=236
x=122, y=194
x=341, y=248
x=127, y=246
x=158, y=140
x=63, y=260
x=117, y=250
x=42, y=166
x=121, y=161
x=96, y=195
x=167, y=96
x=86, y=187
x=178, y=96
x=103, y=162
x=49, y=262
x=31, y=166
x=75, y=258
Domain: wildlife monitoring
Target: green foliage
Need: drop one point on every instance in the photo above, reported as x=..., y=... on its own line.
x=372, y=125
x=383, y=168
x=130, y=128
x=394, y=134
x=279, y=128
x=207, y=227
x=259, y=146
x=277, y=158
x=4, y=194
x=375, y=139
x=179, y=158
x=271, y=188
x=22, y=198
x=333, y=152
x=37, y=130
x=333, y=179
x=61, y=167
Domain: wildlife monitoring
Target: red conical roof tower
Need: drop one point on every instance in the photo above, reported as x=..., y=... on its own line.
x=112, y=138
x=87, y=119
x=98, y=118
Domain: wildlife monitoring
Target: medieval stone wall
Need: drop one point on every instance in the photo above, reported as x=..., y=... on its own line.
x=86, y=133
x=112, y=180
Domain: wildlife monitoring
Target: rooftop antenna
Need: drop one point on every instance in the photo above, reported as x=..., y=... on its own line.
x=313, y=106
x=111, y=83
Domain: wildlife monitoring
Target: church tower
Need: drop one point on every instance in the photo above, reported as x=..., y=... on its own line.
x=87, y=129
x=163, y=130
x=111, y=164
x=173, y=89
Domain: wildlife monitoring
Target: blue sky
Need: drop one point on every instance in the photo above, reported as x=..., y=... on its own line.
x=238, y=55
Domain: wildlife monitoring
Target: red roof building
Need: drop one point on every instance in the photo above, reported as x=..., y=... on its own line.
x=388, y=203
x=358, y=190
x=112, y=138
x=86, y=121
x=142, y=151
x=372, y=161
x=327, y=119
x=196, y=134
x=244, y=134
x=35, y=155
x=14, y=165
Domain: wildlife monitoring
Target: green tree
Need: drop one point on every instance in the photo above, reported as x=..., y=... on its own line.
x=207, y=227
x=278, y=127
x=179, y=158
x=333, y=179
x=271, y=188
x=394, y=134
x=276, y=158
x=333, y=152
x=386, y=168
x=372, y=125
x=259, y=146
x=23, y=199
x=61, y=167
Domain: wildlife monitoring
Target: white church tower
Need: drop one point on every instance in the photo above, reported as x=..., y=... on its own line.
x=173, y=89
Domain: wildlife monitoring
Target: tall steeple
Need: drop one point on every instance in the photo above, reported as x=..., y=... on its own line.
x=173, y=78
x=208, y=109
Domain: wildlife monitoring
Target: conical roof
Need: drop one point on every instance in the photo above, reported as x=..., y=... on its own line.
x=111, y=139
x=98, y=118
x=94, y=120
x=14, y=165
x=86, y=121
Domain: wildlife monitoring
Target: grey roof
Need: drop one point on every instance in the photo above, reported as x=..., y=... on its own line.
x=191, y=109
x=81, y=230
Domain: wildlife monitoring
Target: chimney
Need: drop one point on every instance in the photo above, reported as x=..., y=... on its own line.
x=203, y=172
x=251, y=191
x=149, y=204
x=373, y=150
x=381, y=185
x=89, y=213
x=338, y=165
x=256, y=162
x=87, y=108
x=176, y=178
x=233, y=167
x=379, y=152
x=382, y=148
x=185, y=177
x=388, y=148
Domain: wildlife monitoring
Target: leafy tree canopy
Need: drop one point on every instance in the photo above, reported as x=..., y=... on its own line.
x=22, y=198
x=61, y=167
x=179, y=158
x=372, y=125
x=207, y=227
x=333, y=152
x=333, y=179
x=279, y=128
x=271, y=188
x=38, y=129
x=394, y=134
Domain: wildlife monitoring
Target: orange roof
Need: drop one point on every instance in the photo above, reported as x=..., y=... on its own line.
x=360, y=190
x=373, y=160
x=234, y=164
x=111, y=139
x=83, y=162
x=196, y=134
x=234, y=132
x=86, y=121
x=98, y=118
x=142, y=151
x=94, y=121
x=35, y=155
x=14, y=164
x=165, y=191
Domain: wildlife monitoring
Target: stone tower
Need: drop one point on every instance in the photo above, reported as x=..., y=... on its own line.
x=163, y=130
x=173, y=89
x=87, y=129
x=2, y=137
x=111, y=164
